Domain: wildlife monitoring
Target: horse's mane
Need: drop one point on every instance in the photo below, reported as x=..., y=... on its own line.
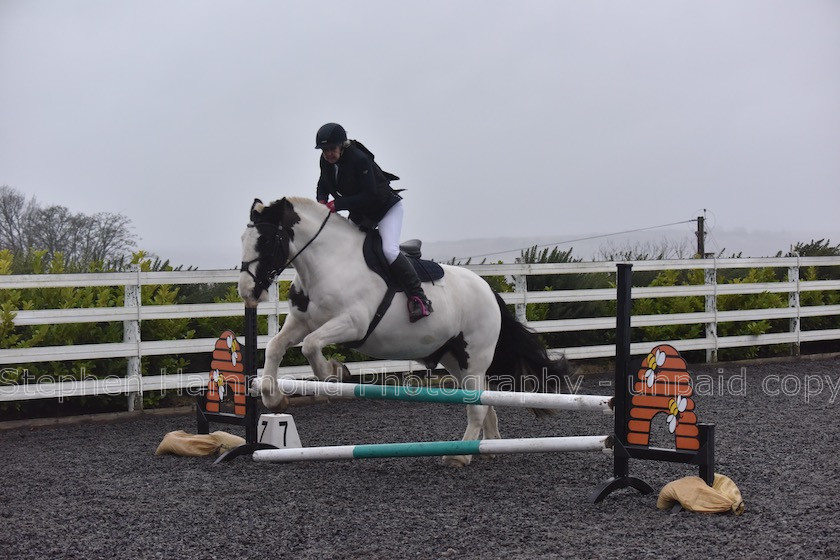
x=302, y=201
x=319, y=209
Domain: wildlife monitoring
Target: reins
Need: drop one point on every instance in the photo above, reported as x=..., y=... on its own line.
x=274, y=272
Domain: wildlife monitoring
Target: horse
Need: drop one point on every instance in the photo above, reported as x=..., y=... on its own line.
x=335, y=296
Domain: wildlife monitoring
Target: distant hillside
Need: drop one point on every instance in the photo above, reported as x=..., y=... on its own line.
x=681, y=242
x=750, y=243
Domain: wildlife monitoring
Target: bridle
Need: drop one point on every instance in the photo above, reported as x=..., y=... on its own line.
x=277, y=262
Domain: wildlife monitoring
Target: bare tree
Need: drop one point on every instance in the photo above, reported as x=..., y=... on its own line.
x=15, y=220
x=53, y=230
x=80, y=238
x=105, y=237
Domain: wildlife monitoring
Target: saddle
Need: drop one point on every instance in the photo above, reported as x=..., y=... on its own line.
x=427, y=271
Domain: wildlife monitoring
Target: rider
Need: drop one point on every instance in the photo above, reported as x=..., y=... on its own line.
x=357, y=184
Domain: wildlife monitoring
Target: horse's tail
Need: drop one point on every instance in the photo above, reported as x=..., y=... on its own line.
x=521, y=362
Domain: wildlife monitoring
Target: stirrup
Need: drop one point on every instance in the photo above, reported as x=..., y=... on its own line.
x=418, y=308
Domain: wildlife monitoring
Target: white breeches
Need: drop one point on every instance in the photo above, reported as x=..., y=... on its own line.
x=390, y=227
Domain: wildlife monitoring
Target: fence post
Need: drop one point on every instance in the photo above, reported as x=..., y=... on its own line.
x=520, y=286
x=710, y=279
x=793, y=301
x=131, y=333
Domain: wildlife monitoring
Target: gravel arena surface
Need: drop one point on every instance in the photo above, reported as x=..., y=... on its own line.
x=93, y=491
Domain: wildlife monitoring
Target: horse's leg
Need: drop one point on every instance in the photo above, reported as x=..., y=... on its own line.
x=490, y=429
x=337, y=330
x=477, y=415
x=292, y=332
x=491, y=425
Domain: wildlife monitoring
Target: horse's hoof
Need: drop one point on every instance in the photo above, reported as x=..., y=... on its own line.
x=275, y=402
x=457, y=461
x=256, y=387
x=339, y=371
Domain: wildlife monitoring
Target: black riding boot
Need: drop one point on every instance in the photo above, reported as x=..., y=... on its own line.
x=418, y=305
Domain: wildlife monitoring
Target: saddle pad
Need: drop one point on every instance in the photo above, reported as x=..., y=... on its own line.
x=427, y=271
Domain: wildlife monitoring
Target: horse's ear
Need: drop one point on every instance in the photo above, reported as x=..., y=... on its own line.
x=256, y=208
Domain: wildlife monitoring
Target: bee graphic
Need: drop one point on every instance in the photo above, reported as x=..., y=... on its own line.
x=234, y=348
x=654, y=361
x=675, y=407
x=219, y=380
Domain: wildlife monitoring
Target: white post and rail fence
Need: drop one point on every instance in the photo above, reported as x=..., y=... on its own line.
x=133, y=312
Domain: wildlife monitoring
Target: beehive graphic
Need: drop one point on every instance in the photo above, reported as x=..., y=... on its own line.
x=226, y=388
x=663, y=386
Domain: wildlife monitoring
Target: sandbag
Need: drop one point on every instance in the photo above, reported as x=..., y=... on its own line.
x=197, y=445
x=693, y=494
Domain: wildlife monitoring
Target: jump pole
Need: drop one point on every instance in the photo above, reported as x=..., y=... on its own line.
x=437, y=448
x=551, y=401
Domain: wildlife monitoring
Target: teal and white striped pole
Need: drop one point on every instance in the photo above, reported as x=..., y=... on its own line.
x=437, y=448
x=552, y=401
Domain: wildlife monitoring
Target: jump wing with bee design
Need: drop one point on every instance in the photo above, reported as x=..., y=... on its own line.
x=663, y=386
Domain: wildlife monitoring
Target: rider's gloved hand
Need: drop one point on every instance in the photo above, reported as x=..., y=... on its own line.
x=330, y=205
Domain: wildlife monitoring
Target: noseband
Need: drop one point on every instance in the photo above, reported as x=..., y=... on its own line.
x=275, y=256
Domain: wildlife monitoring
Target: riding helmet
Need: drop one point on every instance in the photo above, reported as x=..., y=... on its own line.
x=329, y=135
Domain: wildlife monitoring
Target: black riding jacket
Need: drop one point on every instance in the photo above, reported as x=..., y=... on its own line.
x=358, y=185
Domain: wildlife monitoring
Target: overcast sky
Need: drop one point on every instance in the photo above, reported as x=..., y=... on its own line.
x=503, y=119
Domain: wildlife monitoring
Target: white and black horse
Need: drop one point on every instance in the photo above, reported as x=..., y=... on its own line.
x=335, y=296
